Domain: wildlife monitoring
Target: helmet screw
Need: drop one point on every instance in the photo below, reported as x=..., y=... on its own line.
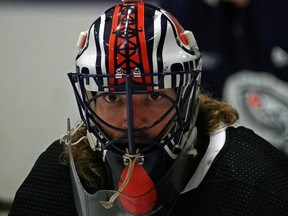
x=140, y=160
x=119, y=73
x=137, y=72
x=126, y=161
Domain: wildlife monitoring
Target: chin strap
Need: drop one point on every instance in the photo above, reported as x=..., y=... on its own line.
x=136, y=193
x=130, y=161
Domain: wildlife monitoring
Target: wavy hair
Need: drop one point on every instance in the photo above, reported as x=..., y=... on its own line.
x=214, y=114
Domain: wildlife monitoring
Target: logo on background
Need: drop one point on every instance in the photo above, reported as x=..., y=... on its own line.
x=262, y=102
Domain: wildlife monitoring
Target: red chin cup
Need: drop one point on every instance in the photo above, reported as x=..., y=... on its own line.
x=139, y=195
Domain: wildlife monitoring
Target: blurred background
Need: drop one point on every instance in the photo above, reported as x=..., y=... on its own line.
x=245, y=58
x=37, y=50
x=245, y=62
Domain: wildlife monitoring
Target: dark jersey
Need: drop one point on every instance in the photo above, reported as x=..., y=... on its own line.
x=248, y=176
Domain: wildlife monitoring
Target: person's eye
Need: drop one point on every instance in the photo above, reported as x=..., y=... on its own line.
x=111, y=98
x=154, y=96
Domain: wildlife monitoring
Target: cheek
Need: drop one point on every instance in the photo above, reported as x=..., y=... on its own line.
x=154, y=131
x=109, y=131
x=108, y=116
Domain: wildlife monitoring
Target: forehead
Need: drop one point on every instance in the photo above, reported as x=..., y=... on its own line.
x=167, y=91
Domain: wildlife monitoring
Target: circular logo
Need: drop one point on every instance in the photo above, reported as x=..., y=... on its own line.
x=262, y=102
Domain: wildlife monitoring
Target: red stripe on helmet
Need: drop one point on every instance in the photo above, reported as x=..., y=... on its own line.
x=179, y=29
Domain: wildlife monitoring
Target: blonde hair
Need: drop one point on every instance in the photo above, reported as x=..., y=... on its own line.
x=213, y=115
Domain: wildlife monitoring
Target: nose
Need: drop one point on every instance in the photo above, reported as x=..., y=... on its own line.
x=140, y=118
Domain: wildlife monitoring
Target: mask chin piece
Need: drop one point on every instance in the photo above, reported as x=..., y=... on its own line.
x=137, y=194
x=136, y=190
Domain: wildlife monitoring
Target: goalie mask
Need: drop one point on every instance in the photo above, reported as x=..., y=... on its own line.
x=137, y=84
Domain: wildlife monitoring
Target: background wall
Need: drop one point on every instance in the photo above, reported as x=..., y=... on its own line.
x=37, y=50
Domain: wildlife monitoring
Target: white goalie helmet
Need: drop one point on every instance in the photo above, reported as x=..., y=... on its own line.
x=135, y=48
